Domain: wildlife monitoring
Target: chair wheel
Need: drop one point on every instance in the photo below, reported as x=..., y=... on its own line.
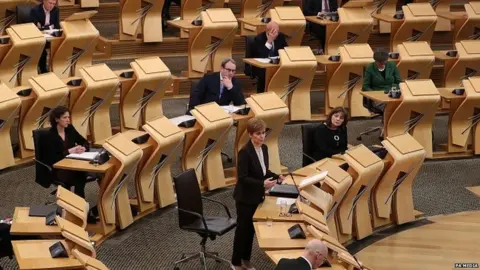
x=218, y=261
x=176, y=268
x=229, y=160
x=359, y=138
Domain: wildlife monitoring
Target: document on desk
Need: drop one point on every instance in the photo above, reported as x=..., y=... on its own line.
x=89, y=156
x=263, y=60
x=180, y=119
x=312, y=180
x=231, y=108
x=288, y=201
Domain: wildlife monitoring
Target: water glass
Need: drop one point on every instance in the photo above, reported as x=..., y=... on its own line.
x=283, y=208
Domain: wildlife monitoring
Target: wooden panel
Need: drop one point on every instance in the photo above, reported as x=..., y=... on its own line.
x=451, y=239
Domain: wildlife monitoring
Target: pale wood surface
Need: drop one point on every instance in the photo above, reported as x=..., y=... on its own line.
x=475, y=190
x=35, y=254
x=451, y=239
x=81, y=165
x=270, y=209
x=23, y=224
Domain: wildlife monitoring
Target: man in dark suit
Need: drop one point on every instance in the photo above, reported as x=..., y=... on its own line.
x=312, y=8
x=267, y=45
x=314, y=256
x=221, y=87
x=46, y=16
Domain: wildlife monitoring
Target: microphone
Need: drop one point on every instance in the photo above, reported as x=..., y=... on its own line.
x=309, y=157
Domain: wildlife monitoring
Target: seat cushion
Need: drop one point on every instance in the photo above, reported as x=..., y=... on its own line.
x=216, y=225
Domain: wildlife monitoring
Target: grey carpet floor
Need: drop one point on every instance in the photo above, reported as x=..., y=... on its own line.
x=155, y=242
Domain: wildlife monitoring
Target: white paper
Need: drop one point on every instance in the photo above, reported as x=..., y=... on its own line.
x=180, y=119
x=311, y=180
x=263, y=60
x=47, y=36
x=288, y=201
x=231, y=108
x=83, y=156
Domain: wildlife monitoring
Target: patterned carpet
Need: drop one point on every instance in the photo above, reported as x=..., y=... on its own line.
x=153, y=242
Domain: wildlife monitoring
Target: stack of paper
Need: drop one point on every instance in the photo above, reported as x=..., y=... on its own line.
x=89, y=156
x=263, y=60
x=180, y=119
x=312, y=180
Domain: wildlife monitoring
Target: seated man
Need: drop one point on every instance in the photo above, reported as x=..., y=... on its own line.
x=45, y=16
x=314, y=256
x=312, y=8
x=380, y=75
x=267, y=45
x=221, y=87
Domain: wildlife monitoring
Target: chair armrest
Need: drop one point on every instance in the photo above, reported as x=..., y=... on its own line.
x=215, y=201
x=195, y=214
x=45, y=165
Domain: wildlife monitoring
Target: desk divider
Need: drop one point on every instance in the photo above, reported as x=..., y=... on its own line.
x=77, y=45
x=155, y=179
x=204, y=154
x=9, y=107
x=392, y=198
x=141, y=101
x=21, y=61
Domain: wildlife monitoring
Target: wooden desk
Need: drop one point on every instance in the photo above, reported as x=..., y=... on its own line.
x=446, y=93
x=270, y=209
x=316, y=20
x=102, y=229
x=251, y=26
x=183, y=24
x=82, y=166
x=390, y=105
x=452, y=16
x=442, y=55
x=386, y=18
x=35, y=254
x=276, y=236
x=23, y=224
x=270, y=69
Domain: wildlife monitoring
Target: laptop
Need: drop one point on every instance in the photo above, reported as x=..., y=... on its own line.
x=285, y=190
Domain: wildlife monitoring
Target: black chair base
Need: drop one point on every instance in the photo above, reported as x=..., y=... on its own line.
x=203, y=255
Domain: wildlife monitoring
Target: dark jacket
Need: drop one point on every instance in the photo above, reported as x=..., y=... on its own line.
x=55, y=149
x=293, y=264
x=208, y=90
x=50, y=148
x=329, y=142
x=373, y=80
x=262, y=51
x=249, y=188
x=37, y=15
x=313, y=7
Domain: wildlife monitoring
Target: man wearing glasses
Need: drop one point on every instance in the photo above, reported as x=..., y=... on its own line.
x=314, y=256
x=221, y=87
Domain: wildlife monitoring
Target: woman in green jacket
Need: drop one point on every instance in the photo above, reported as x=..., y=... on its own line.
x=380, y=75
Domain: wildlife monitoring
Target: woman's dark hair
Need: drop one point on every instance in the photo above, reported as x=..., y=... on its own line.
x=56, y=114
x=380, y=56
x=328, y=122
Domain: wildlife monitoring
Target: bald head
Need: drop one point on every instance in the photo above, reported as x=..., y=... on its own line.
x=316, y=251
